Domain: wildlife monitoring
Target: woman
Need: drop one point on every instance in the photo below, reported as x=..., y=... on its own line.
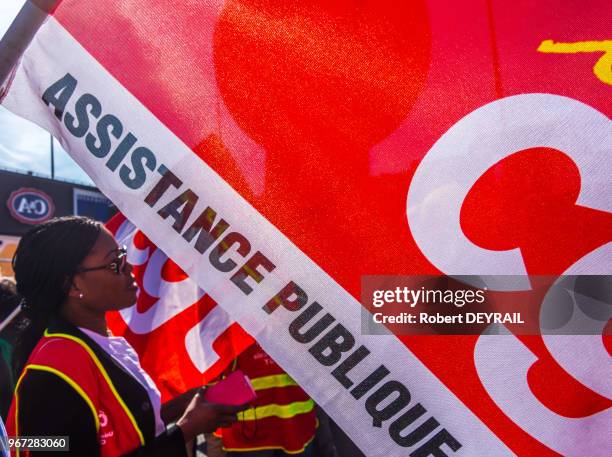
x=77, y=380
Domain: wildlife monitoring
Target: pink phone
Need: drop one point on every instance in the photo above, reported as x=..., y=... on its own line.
x=236, y=390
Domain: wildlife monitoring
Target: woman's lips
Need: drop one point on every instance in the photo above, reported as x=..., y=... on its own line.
x=132, y=285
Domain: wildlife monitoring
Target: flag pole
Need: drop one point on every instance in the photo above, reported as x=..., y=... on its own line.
x=20, y=34
x=52, y=150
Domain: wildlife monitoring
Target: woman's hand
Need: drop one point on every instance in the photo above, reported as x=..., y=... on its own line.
x=173, y=409
x=203, y=417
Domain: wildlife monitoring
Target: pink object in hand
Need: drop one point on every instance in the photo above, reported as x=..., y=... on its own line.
x=236, y=390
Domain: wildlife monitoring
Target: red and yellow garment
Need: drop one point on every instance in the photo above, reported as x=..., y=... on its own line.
x=71, y=359
x=282, y=417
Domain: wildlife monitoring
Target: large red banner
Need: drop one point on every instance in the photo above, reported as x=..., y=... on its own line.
x=398, y=138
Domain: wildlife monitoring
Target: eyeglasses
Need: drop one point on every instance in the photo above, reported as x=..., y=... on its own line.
x=117, y=265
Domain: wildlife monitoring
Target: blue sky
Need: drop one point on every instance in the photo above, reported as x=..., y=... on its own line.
x=23, y=145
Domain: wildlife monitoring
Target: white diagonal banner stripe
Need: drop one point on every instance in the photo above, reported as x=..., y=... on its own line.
x=53, y=54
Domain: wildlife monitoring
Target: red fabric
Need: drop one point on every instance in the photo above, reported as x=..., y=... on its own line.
x=345, y=99
x=162, y=351
x=292, y=434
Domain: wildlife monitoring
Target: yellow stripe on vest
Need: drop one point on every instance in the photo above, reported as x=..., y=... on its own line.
x=106, y=377
x=268, y=382
x=61, y=375
x=74, y=385
x=274, y=410
x=268, y=448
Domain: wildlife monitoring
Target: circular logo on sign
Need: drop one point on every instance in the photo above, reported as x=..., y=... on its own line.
x=30, y=206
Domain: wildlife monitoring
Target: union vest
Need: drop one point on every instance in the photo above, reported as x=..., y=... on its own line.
x=98, y=380
x=283, y=416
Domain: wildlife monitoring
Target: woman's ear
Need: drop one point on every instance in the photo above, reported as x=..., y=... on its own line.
x=74, y=291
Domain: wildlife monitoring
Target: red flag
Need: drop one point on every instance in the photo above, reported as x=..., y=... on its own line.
x=280, y=151
x=183, y=337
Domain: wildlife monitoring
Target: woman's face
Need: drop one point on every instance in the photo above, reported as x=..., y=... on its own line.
x=102, y=288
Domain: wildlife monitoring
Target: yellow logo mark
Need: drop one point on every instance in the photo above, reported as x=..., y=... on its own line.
x=602, y=68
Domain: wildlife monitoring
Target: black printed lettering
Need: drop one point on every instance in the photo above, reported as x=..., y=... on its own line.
x=203, y=227
x=85, y=105
x=405, y=420
x=382, y=394
x=121, y=151
x=58, y=94
x=292, y=297
x=330, y=347
x=251, y=269
x=107, y=125
x=432, y=447
x=295, y=328
x=341, y=371
x=180, y=209
x=134, y=178
x=368, y=383
x=219, y=251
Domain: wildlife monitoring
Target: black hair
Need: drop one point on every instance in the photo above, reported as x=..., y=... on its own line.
x=45, y=261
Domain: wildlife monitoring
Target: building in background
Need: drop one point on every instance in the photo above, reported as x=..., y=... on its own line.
x=27, y=199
